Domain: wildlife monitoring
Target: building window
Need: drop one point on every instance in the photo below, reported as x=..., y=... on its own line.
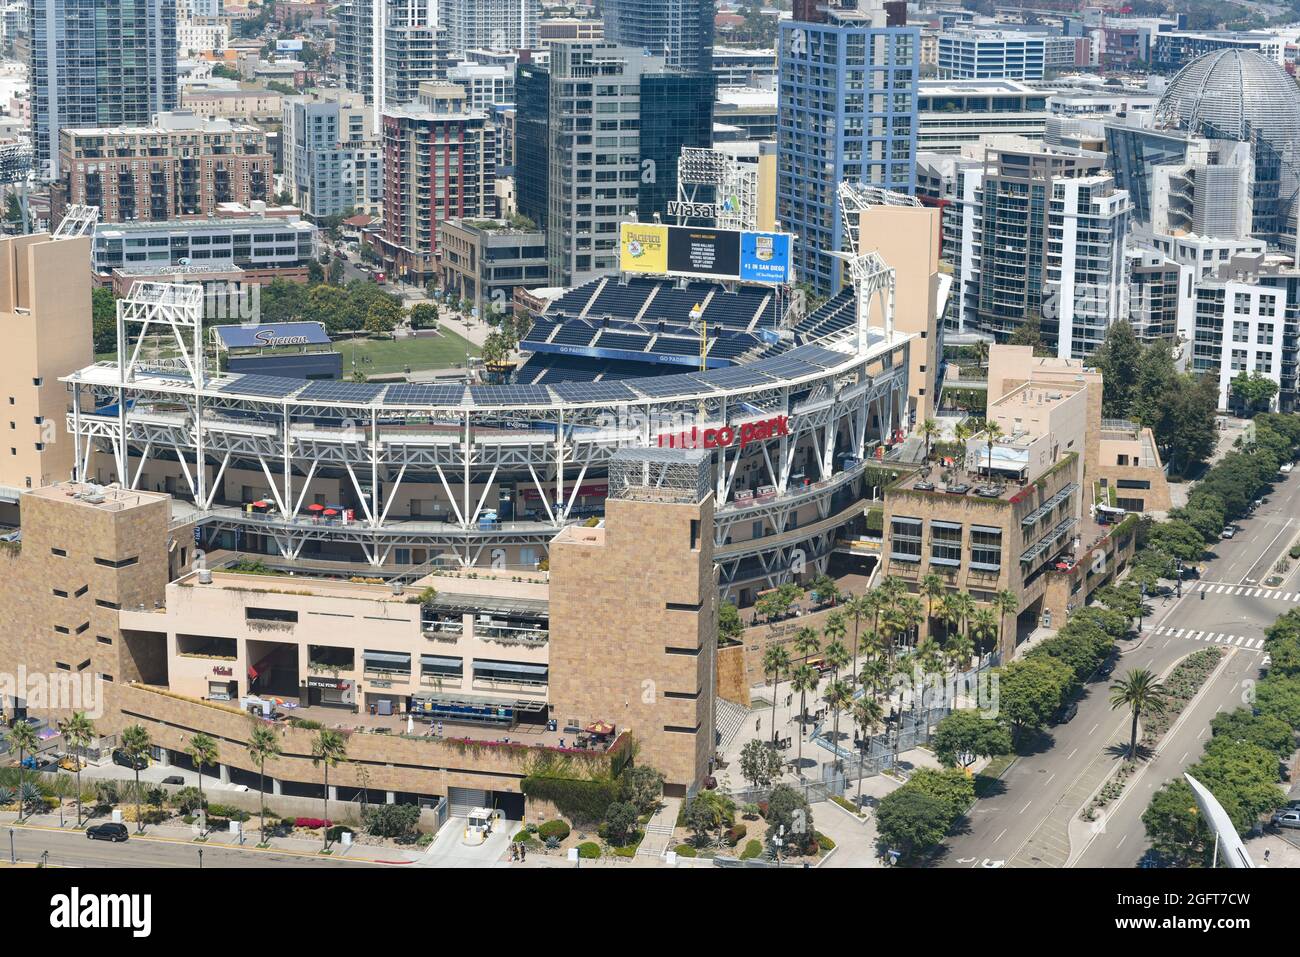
x=120, y=563
x=945, y=543
x=905, y=539
x=985, y=548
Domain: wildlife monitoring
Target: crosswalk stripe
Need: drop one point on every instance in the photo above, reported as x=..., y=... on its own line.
x=1199, y=635
x=1178, y=633
x=1160, y=630
x=1218, y=589
x=1287, y=597
x=1239, y=640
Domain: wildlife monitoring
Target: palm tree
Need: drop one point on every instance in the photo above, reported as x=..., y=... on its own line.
x=858, y=607
x=136, y=744
x=77, y=732
x=1005, y=603
x=835, y=629
x=836, y=657
x=263, y=743
x=806, y=643
x=932, y=586
x=957, y=651
x=963, y=432
x=328, y=749
x=874, y=675
x=839, y=696
x=929, y=655
x=22, y=736
x=775, y=660
x=1138, y=691
x=803, y=679
x=867, y=714
x=981, y=348
x=983, y=626
x=992, y=432
x=202, y=750
x=929, y=431
x=910, y=615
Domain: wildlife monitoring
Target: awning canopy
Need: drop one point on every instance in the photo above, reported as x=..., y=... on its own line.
x=512, y=667
x=388, y=657
x=449, y=603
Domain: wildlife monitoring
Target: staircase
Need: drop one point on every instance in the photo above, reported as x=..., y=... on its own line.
x=659, y=832
x=728, y=717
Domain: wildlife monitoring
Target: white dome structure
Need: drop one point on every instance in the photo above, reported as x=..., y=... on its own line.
x=1235, y=95
x=1243, y=96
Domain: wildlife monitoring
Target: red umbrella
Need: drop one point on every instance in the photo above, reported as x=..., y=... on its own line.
x=599, y=727
x=330, y=511
x=261, y=504
x=315, y=507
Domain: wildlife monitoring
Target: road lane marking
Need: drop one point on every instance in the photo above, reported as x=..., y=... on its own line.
x=1026, y=807
x=999, y=837
x=1071, y=754
x=1094, y=728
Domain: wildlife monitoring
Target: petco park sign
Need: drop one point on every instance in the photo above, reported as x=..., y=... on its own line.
x=726, y=436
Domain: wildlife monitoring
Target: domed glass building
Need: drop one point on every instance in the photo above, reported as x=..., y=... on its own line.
x=1244, y=96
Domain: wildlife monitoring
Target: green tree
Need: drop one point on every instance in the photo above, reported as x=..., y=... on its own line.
x=1174, y=826
x=839, y=697
x=911, y=821
x=760, y=763
x=1118, y=359
x=1177, y=537
x=263, y=744
x=202, y=750
x=1139, y=691
x=929, y=430
x=382, y=316
x=1262, y=730
x=787, y=807
x=1253, y=392
x=1030, y=692
x=103, y=320
x=965, y=735
x=328, y=749
x=642, y=786
x=136, y=744
x=702, y=816
x=22, y=738
x=424, y=315
x=620, y=823
x=868, y=715
x=730, y=626
x=78, y=731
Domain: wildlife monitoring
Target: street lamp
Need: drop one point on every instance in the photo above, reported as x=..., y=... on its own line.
x=13, y=857
x=200, y=858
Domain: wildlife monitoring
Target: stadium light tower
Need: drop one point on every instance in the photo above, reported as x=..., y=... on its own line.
x=1221, y=826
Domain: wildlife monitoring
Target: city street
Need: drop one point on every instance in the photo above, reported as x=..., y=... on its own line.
x=1027, y=821
x=73, y=849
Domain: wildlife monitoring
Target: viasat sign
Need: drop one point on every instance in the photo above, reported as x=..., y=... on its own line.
x=704, y=253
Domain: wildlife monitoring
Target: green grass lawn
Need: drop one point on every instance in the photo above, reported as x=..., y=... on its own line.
x=394, y=355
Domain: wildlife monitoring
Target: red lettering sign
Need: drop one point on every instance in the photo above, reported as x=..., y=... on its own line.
x=726, y=436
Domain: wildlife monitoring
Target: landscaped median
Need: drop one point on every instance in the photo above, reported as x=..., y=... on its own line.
x=1180, y=687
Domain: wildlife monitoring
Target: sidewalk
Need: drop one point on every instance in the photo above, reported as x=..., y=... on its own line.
x=187, y=834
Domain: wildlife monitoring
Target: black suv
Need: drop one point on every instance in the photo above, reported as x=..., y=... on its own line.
x=126, y=761
x=108, y=832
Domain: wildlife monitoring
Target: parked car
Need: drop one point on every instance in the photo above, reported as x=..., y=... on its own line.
x=1287, y=467
x=1228, y=531
x=1067, y=712
x=70, y=762
x=125, y=760
x=173, y=779
x=1286, y=819
x=108, y=832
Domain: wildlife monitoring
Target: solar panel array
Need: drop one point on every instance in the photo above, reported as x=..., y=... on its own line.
x=735, y=377
x=268, y=386
x=331, y=390
x=592, y=391
x=661, y=387
x=509, y=395
x=441, y=394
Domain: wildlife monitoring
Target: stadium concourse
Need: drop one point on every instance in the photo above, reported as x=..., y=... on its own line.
x=399, y=477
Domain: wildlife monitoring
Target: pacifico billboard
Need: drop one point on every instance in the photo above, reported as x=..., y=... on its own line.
x=703, y=253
